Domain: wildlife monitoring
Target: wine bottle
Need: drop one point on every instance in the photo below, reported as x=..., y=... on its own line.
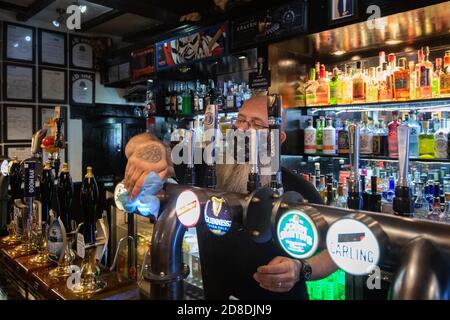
x=89, y=198
x=65, y=196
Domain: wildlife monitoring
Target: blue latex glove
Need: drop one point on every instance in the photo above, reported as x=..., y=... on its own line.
x=146, y=203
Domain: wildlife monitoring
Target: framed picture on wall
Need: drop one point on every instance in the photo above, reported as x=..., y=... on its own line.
x=19, y=42
x=46, y=113
x=82, y=88
x=21, y=151
x=340, y=11
x=18, y=84
x=19, y=123
x=52, y=48
x=52, y=85
x=81, y=53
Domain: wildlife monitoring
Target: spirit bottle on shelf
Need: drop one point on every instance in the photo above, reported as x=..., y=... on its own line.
x=196, y=96
x=186, y=102
x=311, y=87
x=392, y=137
x=421, y=205
x=412, y=80
x=319, y=135
x=424, y=71
x=385, y=92
x=345, y=87
x=179, y=95
x=359, y=84
x=310, y=138
x=330, y=194
x=435, y=85
x=414, y=133
x=167, y=94
x=329, y=138
x=343, y=140
x=445, y=76
x=341, y=200
x=322, y=91
x=441, y=140
x=436, y=208
x=401, y=81
x=366, y=144
x=426, y=140
x=372, y=86
x=334, y=87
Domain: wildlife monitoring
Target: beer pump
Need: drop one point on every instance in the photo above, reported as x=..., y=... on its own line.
x=354, y=200
x=403, y=202
x=274, y=111
x=13, y=172
x=189, y=148
x=254, y=180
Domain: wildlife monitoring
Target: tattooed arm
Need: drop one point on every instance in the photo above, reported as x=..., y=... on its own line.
x=145, y=154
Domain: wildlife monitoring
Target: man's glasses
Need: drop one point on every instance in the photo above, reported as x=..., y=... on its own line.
x=253, y=124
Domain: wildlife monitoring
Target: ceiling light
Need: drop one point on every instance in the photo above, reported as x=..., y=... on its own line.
x=83, y=8
x=56, y=23
x=392, y=42
x=242, y=57
x=286, y=63
x=338, y=52
x=28, y=38
x=356, y=58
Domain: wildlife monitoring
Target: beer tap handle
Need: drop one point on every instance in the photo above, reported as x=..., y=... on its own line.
x=253, y=178
x=354, y=200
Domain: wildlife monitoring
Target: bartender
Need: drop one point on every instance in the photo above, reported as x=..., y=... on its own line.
x=146, y=154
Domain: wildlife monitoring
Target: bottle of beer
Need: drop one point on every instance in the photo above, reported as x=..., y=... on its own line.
x=65, y=196
x=47, y=183
x=15, y=179
x=89, y=198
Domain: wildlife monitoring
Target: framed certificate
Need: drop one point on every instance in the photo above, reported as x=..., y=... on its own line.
x=18, y=123
x=19, y=42
x=18, y=84
x=81, y=53
x=21, y=151
x=82, y=88
x=52, y=48
x=46, y=113
x=52, y=85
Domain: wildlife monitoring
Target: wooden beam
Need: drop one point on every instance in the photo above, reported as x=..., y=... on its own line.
x=105, y=17
x=33, y=9
x=140, y=8
x=12, y=7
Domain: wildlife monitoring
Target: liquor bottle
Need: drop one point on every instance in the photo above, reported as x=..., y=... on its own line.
x=444, y=87
x=426, y=140
x=392, y=135
x=311, y=87
x=436, y=208
x=372, y=86
x=167, y=95
x=46, y=184
x=343, y=140
x=359, y=84
x=421, y=205
x=229, y=93
x=441, y=141
x=435, y=82
x=424, y=68
x=385, y=92
x=310, y=138
x=322, y=91
x=173, y=99
x=401, y=81
x=65, y=196
x=341, y=200
x=321, y=188
x=445, y=216
x=345, y=87
x=414, y=133
x=412, y=80
x=330, y=194
x=366, y=143
x=196, y=96
x=374, y=197
x=186, y=102
x=389, y=194
x=329, y=138
x=319, y=135
x=179, y=95
x=334, y=92
x=89, y=202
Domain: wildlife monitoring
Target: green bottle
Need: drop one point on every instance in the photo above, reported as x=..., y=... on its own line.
x=334, y=86
x=187, y=102
x=319, y=135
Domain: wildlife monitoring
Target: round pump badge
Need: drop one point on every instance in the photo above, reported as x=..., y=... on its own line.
x=218, y=216
x=297, y=234
x=4, y=168
x=188, y=209
x=118, y=191
x=353, y=246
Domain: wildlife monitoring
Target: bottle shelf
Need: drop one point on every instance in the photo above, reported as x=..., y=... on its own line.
x=368, y=158
x=193, y=115
x=430, y=105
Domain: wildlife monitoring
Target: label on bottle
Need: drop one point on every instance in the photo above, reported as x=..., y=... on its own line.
x=343, y=142
x=196, y=108
x=440, y=150
x=393, y=141
x=358, y=89
x=401, y=83
x=424, y=77
x=376, y=142
x=310, y=141
x=201, y=104
x=366, y=144
x=329, y=139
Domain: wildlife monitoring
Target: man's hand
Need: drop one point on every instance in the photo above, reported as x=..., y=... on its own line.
x=148, y=157
x=279, y=275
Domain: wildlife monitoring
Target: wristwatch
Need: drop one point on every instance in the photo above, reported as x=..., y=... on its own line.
x=306, y=271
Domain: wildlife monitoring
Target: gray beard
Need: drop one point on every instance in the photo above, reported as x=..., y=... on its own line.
x=234, y=177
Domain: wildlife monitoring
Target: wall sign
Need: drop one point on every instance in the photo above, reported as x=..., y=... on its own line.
x=19, y=43
x=52, y=48
x=218, y=216
x=82, y=88
x=269, y=25
x=52, y=85
x=297, y=234
x=18, y=84
x=81, y=53
x=188, y=209
x=20, y=123
x=353, y=246
x=206, y=43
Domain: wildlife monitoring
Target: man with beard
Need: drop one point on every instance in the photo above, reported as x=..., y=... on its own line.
x=146, y=153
